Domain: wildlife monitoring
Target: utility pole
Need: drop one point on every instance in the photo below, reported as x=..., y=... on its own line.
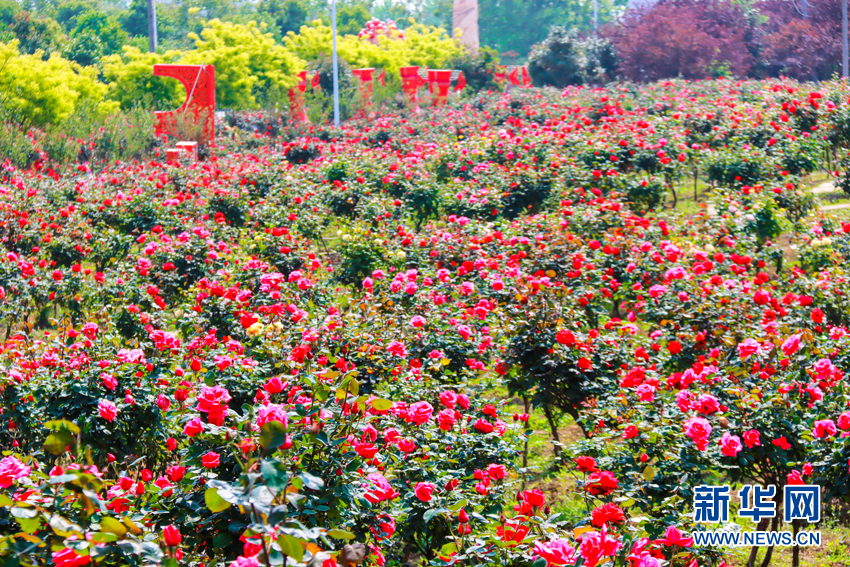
x=152, y=25
x=336, y=64
x=803, y=9
x=596, y=17
x=844, y=38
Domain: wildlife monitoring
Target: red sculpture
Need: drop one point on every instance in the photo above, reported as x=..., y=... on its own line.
x=199, y=82
x=515, y=74
x=297, y=105
x=441, y=80
x=365, y=77
x=410, y=82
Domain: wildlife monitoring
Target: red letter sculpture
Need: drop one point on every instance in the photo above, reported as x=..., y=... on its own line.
x=410, y=81
x=442, y=80
x=199, y=82
x=297, y=104
x=365, y=78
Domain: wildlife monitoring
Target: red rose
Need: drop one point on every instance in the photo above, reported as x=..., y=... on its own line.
x=171, y=536
x=210, y=460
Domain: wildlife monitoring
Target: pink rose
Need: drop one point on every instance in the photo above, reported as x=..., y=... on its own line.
x=698, y=429
x=596, y=545
x=555, y=552
x=748, y=348
x=379, y=488
x=824, y=428
x=446, y=419
x=791, y=345
x=107, y=410
x=448, y=399
x=730, y=445
x=824, y=368
x=420, y=412
x=11, y=469
x=272, y=412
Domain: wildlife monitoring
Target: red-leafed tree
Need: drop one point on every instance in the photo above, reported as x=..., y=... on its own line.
x=689, y=38
x=807, y=48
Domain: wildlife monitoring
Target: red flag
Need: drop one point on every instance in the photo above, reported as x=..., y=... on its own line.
x=526, y=78
x=382, y=78
x=513, y=76
x=315, y=81
x=461, y=82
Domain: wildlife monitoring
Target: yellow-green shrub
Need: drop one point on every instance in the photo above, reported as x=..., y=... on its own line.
x=131, y=79
x=46, y=92
x=249, y=64
x=426, y=46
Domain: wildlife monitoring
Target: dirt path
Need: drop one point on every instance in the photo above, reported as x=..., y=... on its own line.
x=826, y=188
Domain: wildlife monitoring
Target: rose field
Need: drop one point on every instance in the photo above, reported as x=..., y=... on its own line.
x=518, y=330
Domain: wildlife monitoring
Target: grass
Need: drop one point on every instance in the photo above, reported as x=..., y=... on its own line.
x=834, y=551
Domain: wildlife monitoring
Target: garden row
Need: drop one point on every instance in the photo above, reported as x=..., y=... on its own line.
x=322, y=346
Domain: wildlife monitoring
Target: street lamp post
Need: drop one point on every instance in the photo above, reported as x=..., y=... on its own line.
x=336, y=65
x=844, y=38
x=152, y=25
x=595, y=17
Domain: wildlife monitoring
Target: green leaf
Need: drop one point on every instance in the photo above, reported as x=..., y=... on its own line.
x=381, y=405
x=112, y=526
x=273, y=434
x=30, y=525
x=291, y=547
x=311, y=482
x=6, y=501
x=340, y=534
x=429, y=514
x=458, y=506
x=275, y=474
x=62, y=425
x=539, y=562
x=57, y=442
x=214, y=502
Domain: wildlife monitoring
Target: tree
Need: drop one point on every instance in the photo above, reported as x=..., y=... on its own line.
x=693, y=39
x=287, y=15
x=68, y=13
x=35, y=34
x=135, y=19
x=8, y=10
x=804, y=49
x=559, y=60
x=516, y=25
x=350, y=18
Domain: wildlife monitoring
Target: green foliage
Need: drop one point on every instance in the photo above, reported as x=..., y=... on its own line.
x=249, y=65
x=131, y=79
x=478, y=67
x=564, y=59
x=44, y=92
x=422, y=45
x=68, y=13
x=350, y=18
x=8, y=10
x=37, y=34
x=516, y=25
x=287, y=15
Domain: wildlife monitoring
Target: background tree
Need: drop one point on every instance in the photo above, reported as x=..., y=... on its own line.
x=516, y=25
x=692, y=39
